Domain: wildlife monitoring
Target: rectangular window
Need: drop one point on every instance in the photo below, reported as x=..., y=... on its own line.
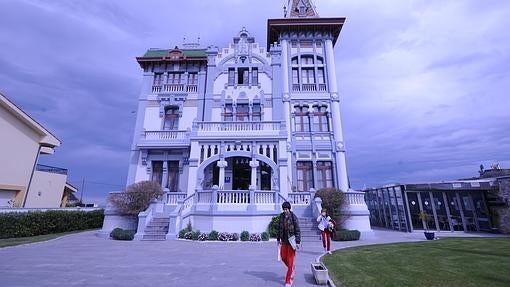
x=157, y=171
x=295, y=76
x=228, y=114
x=231, y=76
x=174, y=78
x=254, y=76
x=307, y=60
x=242, y=112
x=320, y=75
x=304, y=175
x=192, y=79
x=307, y=76
x=157, y=79
x=324, y=174
x=256, y=113
x=171, y=121
x=173, y=175
x=242, y=76
x=320, y=119
x=302, y=121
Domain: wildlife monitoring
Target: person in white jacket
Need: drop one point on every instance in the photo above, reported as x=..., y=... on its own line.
x=326, y=226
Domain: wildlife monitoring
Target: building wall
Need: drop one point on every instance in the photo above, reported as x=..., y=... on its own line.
x=46, y=190
x=504, y=211
x=18, y=151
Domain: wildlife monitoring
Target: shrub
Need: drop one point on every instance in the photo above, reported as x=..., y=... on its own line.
x=255, y=237
x=265, y=236
x=136, y=198
x=213, y=235
x=188, y=235
x=273, y=226
x=195, y=235
x=203, y=237
x=182, y=233
x=225, y=236
x=14, y=224
x=245, y=236
x=346, y=235
x=334, y=200
x=235, y=237
x=121, y=234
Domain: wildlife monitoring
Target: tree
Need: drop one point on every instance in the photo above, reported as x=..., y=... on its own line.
x=334, y=200
x=136, y=197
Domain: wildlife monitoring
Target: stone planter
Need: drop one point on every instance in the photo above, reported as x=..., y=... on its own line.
x=320, y=273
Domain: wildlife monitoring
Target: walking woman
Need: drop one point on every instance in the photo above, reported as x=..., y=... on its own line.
x=326, y=225
x=289, y=239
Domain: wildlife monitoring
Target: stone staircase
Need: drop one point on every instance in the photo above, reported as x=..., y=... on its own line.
x=309, y=230
x=156, y=229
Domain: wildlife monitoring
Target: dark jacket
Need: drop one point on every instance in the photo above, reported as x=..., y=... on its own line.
x=293, y=229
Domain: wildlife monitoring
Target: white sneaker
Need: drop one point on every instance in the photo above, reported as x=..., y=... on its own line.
x=329, y=252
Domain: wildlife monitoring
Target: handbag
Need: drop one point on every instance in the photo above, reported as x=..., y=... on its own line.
x=292, y=241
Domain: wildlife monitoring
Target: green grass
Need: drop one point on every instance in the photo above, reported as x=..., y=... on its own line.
x=32, y=239
x=446, y=262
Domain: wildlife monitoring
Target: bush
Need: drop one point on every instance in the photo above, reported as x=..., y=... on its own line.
x=203, y=237
x=225, y=236
x=182, y=233
x=245, y=236
x=213, y=235
x=235, y=237
x=346, y=235
x=265, y=236
x=17, y=224
x=273, y=226
x=255, y=237
x=195, y=235
x=188, y=235
x=136, y=198
x=334, y=200
x=121, y=234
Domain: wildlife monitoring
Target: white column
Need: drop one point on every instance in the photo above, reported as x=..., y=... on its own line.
x=193, y=177
x=284, y=189
x=253, y=182
x=222, y=164
x=341, y=167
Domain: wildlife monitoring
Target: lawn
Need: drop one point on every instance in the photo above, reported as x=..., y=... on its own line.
x=445, y=262
x=32, y=239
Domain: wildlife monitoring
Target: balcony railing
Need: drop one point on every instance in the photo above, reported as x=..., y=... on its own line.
x=174, y=88
x=239, y=129
x=164, y=138
x=309, y=87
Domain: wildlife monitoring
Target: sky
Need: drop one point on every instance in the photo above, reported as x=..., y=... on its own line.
x=424, y=84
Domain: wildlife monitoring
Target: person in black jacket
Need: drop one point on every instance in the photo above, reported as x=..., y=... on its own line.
x=289, y=234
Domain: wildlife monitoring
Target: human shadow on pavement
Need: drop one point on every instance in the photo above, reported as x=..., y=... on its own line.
x=267, y=276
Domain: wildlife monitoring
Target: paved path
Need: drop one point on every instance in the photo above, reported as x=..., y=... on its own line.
x=86, y=260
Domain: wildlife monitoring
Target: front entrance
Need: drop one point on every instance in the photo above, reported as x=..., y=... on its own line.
x=241, y=173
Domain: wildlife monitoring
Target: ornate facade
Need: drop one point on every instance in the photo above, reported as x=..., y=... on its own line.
x=232, y=132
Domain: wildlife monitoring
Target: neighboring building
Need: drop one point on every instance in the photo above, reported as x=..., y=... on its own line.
x=23, y=140
x=232, y=132
x=469, y=205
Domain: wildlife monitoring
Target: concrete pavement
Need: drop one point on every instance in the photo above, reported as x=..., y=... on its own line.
x=86, y=260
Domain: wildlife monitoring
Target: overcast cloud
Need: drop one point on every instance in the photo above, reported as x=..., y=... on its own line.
x=424, y=84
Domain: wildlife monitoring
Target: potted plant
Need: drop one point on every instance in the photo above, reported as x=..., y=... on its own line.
x=426, y=218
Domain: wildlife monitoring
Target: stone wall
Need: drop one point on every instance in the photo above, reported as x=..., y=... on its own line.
x=503, y=212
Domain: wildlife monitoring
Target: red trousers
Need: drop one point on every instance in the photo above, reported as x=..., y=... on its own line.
x=326, y=240
x=288, y=254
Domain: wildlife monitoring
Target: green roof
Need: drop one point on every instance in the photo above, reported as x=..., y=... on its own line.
x=160, y=53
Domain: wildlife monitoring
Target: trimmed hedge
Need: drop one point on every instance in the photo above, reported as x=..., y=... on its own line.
x=346, y=235
x=273, y=226
x=18, y=224
x=121, y=234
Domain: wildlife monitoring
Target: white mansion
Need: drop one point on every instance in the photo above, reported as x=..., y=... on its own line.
x=231, y=133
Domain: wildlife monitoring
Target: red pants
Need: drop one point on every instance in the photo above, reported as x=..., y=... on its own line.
x=326, y=240
x=288, y=254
